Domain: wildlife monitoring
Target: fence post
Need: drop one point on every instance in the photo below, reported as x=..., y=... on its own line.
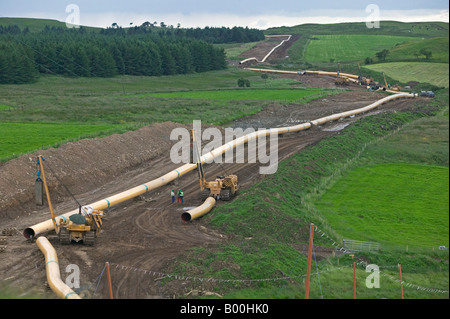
x=354, y=280
x=401, y=280
x=108, y=274
x=308, y=269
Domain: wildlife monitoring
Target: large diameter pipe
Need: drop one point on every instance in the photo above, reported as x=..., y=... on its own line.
x=346, y=75
x=199, y=211
x=52, y=269
x=47, y=226
x=367, y=108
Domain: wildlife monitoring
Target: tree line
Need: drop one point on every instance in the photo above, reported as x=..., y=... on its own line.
x=209, y=34
x=112, y=51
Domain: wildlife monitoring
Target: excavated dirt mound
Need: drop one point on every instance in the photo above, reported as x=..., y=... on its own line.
x=144, y=234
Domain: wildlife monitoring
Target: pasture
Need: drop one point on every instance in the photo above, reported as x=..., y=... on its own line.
x=286, y=95
x=381, y=203
x=347, y=47
x=433, y=73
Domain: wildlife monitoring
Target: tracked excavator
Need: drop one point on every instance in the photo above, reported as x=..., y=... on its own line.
x=388, y=87
x=341, y=80
x=82, y=227
x=223, y=187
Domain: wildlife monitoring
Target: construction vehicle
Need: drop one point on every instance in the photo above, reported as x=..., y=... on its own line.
x=82, y=227
x=363, y=80
x=223, y=187
x=427, y=93
x=341, y=80
x=388, y=87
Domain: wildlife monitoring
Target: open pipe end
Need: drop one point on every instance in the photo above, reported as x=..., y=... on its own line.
x=28, y=233
x=186, y=217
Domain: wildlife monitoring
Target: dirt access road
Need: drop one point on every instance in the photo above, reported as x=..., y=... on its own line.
x=145, y=233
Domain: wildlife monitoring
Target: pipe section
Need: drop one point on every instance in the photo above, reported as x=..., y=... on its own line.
x=52, y=268
x=199, y=211
x=47, y=226
x=370, y=107
x=346, y=75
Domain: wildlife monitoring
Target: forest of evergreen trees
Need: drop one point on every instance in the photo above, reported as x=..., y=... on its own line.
x=143, y=50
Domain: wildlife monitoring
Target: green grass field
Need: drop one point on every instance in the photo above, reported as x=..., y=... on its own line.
x=341, y=48
x=20, y=138
x=433, y=73
x=57, y=109
x=410, y=51
x=288, y=95
x=389, y=28
x=381, y=203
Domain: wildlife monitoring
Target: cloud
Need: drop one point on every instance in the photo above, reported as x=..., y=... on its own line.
x=260, y=21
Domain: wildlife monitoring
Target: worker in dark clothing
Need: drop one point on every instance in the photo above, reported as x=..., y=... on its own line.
x=180, y=196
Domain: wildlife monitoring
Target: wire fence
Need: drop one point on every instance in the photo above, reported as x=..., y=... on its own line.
x=158, y=275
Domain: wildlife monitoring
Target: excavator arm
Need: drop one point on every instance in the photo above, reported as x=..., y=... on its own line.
x=40, y=160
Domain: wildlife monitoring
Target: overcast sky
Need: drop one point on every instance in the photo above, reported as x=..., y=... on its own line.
x=200, y=13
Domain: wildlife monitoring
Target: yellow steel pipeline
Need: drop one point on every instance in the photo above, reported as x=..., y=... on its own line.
x=367, y=108
x=199, y=211
x=347, y=75
x=52, y=268
x=47, y=226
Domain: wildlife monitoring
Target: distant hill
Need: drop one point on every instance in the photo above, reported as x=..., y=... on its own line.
x=412, y=29
x=411, y=51
x=34, y=25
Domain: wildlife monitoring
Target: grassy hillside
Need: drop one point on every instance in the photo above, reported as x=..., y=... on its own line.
x=35, y=25
x=410, y=51
x=433, y=73
x=341, y=48
x=57, y=109
x=390, y=28
x=287, y=96
x=352, y=43
x=379, y=203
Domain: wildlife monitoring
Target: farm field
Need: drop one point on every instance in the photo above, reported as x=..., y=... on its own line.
x=342, y=48
x=288, y=95
x=411, y=51
x=20, y=138
x=380, y=203
x=433, y=73
x=58, y=109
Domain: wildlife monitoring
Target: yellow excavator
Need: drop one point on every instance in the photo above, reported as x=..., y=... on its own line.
x=341, y=80
x=223, y=187
x=388, y=87
x=82, y=227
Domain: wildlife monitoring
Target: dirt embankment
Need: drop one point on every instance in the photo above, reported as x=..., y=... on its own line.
x=81, y=166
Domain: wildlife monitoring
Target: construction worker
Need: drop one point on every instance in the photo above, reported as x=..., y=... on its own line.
x=172, y=193
x=180, y=196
